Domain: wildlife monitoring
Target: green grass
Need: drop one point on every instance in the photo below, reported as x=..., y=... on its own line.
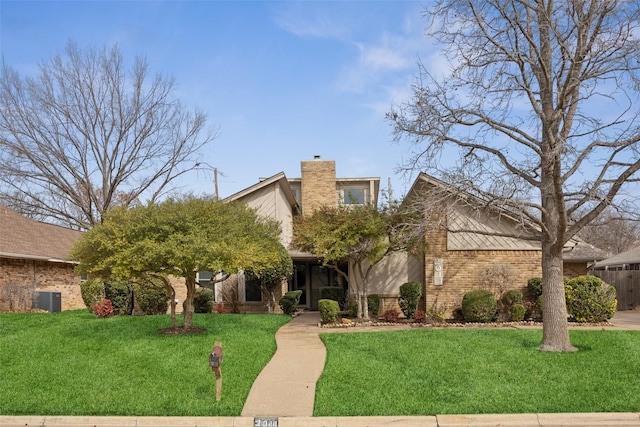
x=426, y=372
x=73, y=363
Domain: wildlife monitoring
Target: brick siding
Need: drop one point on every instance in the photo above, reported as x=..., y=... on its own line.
x=318, y=184
x=44, y=277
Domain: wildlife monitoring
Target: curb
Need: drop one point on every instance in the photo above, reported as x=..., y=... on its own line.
x=482, y=420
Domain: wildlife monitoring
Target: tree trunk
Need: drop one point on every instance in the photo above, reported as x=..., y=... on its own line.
x=555, y=328
x=187, y=306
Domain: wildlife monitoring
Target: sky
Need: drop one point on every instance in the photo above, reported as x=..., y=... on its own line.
x=283, y=81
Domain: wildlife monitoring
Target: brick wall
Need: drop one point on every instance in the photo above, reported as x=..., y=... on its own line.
x=462, y=269
x=318, y=184
x=44, y=277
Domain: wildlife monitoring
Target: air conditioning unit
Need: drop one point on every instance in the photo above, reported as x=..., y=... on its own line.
x=49, y=301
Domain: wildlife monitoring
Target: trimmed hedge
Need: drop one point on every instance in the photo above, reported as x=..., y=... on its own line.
x=335, y=293
x=203, y=300
x=329, y=310
x=589, y=299
x=410, y=293
x=151, y=297
x=289, y=302
x=479, y=306
x=373, y=305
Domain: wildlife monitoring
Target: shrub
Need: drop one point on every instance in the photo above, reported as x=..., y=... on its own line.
x=373, y=304
x=289, y=302
x=103, y=309
x=329, y=310
x=410, y=293
x=497, y=278
x=420, y=317
x=352, y=310
x=335, y=293
x=589, y=299
x=220, y=308
x=151, y=297
x=508, y=299
x=120, y=293
x=203, y=300
x=517, y=312
x=92, y=291
x=436, y=312
x=479, y=306
x=391, y=315
x=534, y=286
x=511, y=297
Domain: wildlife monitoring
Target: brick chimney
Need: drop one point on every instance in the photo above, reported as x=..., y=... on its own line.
x=318, y=186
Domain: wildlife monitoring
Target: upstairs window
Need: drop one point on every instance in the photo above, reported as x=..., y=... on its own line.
x=353, y=196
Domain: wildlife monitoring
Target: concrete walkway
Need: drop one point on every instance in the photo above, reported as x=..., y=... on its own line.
x=286, y=387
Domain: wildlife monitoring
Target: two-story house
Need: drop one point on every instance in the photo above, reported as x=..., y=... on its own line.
x=282, y=198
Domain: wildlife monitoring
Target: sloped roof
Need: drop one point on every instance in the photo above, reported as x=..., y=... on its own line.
x=629, y=257
x=577, y=250
x=24, y=238
x=280, y=178
x=485, y=233
x=470, y=231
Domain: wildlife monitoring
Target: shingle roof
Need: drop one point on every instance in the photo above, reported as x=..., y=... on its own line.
x=21, y=237
x=629, y=257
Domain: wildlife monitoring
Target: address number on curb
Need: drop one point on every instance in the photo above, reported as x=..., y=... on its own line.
x=265, y=422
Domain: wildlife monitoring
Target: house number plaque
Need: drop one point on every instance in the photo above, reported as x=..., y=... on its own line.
x=265, y=422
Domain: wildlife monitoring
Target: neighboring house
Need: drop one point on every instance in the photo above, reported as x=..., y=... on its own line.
x=33, y=258
x=622, y=271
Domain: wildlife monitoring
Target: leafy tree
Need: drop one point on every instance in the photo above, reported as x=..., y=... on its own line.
x=87, y=133
x=178, y=238
x=272, y=275
x=537, y=115
x=357, y=235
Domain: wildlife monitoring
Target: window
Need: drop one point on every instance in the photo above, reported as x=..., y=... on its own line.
x=204, y=277
x=353, y=196
x=252, y=290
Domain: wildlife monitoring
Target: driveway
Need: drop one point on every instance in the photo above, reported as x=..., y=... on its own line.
x=627, y=319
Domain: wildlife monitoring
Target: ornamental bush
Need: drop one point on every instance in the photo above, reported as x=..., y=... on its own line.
x=511, y=297
x=589, y=299
x=104, y=308
x=329, y=310
x=289, y=302
x=120, y=293
x=92, y=291
x=517, y=312
x=151, y=297
x=410, y=293
x=335, y=293
x=479, y=306
x=373, y=305
x=391, y=315
x=203, y=300
x=534, y=286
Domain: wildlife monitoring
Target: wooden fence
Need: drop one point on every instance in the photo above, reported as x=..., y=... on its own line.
x=627, y=284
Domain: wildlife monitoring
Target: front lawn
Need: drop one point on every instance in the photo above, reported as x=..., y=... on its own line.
x=452, y=371
x=73, y=363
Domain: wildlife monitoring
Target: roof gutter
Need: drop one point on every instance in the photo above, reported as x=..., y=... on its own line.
x=35, y=258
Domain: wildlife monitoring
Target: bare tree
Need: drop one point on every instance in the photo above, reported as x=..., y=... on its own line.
x=86, y=133
x=612, y=233
x=538, y=116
